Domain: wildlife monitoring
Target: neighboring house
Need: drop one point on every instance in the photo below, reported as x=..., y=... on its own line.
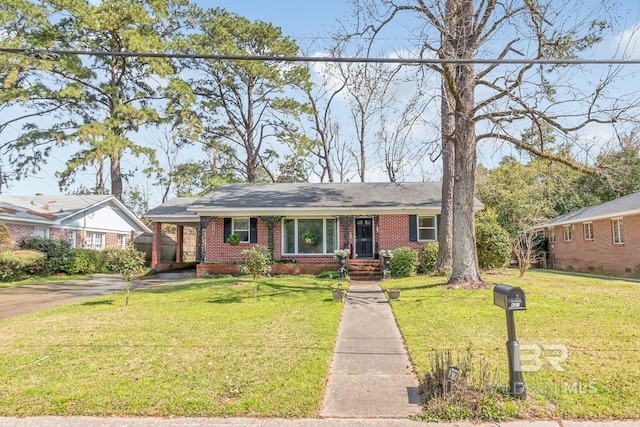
x=603, y=238
x=306, y=222
x=85, y=221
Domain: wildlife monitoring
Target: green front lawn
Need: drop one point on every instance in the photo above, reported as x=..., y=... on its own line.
x=596, y=320
x=201, y=348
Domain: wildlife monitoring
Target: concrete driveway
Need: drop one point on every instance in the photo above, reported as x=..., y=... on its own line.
x=24, y=299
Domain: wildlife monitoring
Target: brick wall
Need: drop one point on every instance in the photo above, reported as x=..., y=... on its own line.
x=19, y=231
x=599, y=255
x=392, y=232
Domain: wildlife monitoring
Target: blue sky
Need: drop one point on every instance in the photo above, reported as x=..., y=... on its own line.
x=305, y=21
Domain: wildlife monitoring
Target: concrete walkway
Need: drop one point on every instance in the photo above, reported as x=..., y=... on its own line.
x=371, y=375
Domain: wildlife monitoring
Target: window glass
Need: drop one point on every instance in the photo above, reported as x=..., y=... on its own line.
x=618, y=231
x=427, y=228
x=588, y=231
x=41, y=232
x=566, y=230
x=552, y=235
x=241, y=228
x=332, y=236
x=309, y=236
x=289, y=236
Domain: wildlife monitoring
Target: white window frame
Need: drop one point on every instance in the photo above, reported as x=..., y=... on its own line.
x=121, y=241
x=94, y=240
x=567, y=233
x=72, y=238
x=296, y=242
x=44, y=232
x=434, y=228
x=617, y=225
x=552, y=234
x=235, y=229
x=587, y=230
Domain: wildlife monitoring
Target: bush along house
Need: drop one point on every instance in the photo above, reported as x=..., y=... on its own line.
x=304, y=223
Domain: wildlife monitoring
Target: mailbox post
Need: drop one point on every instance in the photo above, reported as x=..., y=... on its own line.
x=512, y=299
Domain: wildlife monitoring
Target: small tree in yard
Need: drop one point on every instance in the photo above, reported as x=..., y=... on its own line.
x=255, y=262
x=126, y=262
x=526, y=246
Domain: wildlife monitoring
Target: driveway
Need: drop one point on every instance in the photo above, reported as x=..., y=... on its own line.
x=24, y=299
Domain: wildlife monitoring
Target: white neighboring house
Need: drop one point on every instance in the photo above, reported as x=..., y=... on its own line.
x=86, y=221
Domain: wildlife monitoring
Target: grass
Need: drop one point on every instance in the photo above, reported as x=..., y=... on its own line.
x=597, y=320
x=200, y=348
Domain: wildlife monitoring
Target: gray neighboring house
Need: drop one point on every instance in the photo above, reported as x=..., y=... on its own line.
x=85, y=221
x=306, y=222
x=603, y=238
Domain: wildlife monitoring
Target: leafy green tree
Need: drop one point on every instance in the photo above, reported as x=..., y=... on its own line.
x=492, y=241
x=513, y=191
x=251, y=96
x=107, y=98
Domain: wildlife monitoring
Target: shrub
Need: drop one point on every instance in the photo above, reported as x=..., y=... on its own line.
x=5, y=236
x=126, y=262
x=492, y=241
x=256, y=261
x=404, y=262
x=85, y=261
x=429, y=256
x=57, y=251
x=16, y=265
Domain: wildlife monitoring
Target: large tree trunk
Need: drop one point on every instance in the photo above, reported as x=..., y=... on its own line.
x=445, y=237
x=116, y=176
x=465, y=262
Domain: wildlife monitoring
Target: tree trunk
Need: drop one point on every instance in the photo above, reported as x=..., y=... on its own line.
x=116, y=176
x=447, y=118
x=445, y=238
x=465, y=260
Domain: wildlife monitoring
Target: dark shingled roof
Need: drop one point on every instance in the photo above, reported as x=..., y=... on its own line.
x=174, y=207
x=620, y=206
x=323, y=196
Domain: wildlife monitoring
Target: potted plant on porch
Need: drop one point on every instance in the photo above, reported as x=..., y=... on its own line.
x=342, y=255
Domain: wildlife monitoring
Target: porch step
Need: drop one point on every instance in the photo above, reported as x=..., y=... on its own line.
x=365, y=269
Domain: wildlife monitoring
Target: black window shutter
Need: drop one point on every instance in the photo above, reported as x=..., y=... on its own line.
x=413, y=228
x=253, y=230
x=438, y=218
x=227, y=228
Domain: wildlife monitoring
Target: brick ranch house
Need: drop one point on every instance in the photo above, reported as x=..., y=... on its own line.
x=85, y=221
x=305, y=221
x=603, y=238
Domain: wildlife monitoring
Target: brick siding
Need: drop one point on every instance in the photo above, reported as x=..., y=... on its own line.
x=391, y=232
x=599, y=255
x=19, y=231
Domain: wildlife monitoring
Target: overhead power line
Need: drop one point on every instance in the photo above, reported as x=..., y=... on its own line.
x=54, y=55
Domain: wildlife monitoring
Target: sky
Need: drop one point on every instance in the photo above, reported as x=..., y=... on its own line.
x=309, y=22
